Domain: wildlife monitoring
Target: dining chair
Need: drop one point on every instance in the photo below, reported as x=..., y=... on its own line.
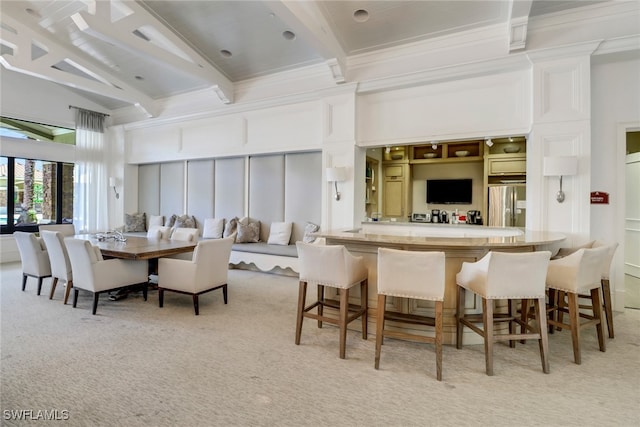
x=206, y=271
x=333, y=266
x=34, y=258
x=59, y=259
x=93, y=273
x=417, y=276
x=579, y=273
x=511, y=277
x=67, y=230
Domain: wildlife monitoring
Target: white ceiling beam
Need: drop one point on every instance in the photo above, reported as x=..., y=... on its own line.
x=100, y=82
x=517, y=23
x=178, y=54
x=307, y=20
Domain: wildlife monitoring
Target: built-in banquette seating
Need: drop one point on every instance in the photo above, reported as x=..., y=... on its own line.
x=272, y=190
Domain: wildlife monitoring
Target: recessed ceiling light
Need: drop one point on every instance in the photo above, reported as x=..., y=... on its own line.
x=289, y=35
x=361, y=15
x=226, y=53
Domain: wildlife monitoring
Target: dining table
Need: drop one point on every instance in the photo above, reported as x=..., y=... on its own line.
x=137, y=247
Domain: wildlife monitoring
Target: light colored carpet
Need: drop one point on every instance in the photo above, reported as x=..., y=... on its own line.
x=135, y=364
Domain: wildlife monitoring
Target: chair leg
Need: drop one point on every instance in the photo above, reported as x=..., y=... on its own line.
x=302, y=294
x=364, y=302
x=574, y=321
x=459, y=315
x=24, y=282
x=541, y=314
x=524, y=317
x=487, y=320
x=561, y=304
x=67, y=291
x=382, y=301
x=553, y=294
x=40, y=284
x=438, y=332
x=53, y=287
x=321, y=305
x=75, y=297
x=160, y=297
x=608, y=312
x=597, y=314
x=95, y=302
x=344, y=313
x=196, y=306
x=145, y=290
x=512, y=324
x=224, y=292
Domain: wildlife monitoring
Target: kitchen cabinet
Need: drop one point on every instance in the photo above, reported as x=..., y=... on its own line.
x=396, y=191
x=447, y=152
x=371, y=187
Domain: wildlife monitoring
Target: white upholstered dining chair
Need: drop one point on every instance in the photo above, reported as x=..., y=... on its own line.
x=34, y=258
x=67, y=230
x=206, y=271
x=511, y=277
x=60, y=263
x=333, y=266
x=93, y=273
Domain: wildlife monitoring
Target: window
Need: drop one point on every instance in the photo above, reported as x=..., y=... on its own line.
x=34, y=192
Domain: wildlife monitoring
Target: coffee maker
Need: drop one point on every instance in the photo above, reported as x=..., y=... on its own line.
x=474, y=217
x=435, y=215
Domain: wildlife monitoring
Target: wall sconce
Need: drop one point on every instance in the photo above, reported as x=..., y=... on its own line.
x=112, y=184
x=434, y=145
x=335, y=175
x=559, y=166
x=489, y=142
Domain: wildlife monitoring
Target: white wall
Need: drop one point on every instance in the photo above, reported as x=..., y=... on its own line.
x=615, y=102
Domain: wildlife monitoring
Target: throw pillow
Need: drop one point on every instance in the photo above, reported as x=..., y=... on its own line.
x=213, y=228
x=230, y=227
x=184, y=221
x=280, y=233
x=171, y=220
x=249, y=233
x=135, y=222
x=156, y=220
x=308, y=230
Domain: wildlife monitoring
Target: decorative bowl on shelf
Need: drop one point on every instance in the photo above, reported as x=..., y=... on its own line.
x=511, y=148
x=430, y=155
x=396, y=157
x=462, y=153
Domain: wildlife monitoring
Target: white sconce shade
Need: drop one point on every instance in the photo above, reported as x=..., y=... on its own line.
x=335, y=175
x=112, y=184
x=559, y=166
x=489, y=142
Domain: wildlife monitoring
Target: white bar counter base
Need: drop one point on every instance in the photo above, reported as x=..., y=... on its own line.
x=459, y=242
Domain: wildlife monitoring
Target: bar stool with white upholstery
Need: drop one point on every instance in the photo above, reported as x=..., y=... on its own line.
x=505, y=276
x=578, y=274
x=335, y=267
x=415, y=275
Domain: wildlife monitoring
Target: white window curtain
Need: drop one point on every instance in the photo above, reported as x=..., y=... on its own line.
x=90, y=209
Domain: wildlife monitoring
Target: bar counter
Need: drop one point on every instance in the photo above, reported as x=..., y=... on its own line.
x=459, y=242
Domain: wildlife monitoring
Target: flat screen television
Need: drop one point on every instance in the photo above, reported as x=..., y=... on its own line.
x=449, y=191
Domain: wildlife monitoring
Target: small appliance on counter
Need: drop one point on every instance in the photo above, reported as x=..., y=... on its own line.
x=421, y=217
x=435, y=215
x=444, y=217
x=474, y=217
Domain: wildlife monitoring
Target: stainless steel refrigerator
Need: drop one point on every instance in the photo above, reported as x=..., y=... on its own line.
x=507, y=205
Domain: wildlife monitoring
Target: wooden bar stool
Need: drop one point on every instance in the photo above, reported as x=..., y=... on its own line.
x=505, y=276
x=415, y=275
x=574, y=275
x=336, y=267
